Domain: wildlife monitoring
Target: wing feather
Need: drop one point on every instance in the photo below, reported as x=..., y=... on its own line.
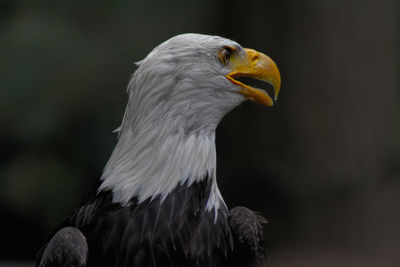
x=246, y=227
x=68, y=248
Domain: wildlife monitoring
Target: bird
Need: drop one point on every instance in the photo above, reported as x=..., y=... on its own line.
x=158, y=202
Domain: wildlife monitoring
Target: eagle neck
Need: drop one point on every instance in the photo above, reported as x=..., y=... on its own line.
x=147, y=164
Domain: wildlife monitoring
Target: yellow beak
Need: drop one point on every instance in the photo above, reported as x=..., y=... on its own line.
x=258, y=66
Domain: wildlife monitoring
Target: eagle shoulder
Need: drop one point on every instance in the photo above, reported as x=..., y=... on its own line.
x=68, y=248
x=247, y=230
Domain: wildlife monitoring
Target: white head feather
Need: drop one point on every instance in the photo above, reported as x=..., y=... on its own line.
x=177, y=97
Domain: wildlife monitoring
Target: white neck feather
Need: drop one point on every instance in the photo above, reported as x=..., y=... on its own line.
x=148, y=165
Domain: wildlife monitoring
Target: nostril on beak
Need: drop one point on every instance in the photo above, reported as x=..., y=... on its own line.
x=255, y=59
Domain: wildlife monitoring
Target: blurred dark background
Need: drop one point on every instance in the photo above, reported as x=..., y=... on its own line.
x=323, y=165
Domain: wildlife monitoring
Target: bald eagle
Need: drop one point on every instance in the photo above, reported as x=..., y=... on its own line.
x=158, y=203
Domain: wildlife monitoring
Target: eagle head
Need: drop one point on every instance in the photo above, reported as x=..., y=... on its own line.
x=193, y=79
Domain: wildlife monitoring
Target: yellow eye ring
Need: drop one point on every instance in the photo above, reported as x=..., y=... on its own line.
x=225, y=54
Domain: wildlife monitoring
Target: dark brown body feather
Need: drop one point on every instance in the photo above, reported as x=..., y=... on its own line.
x=177, y=231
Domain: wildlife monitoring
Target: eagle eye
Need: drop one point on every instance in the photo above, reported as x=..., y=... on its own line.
x=225, y=54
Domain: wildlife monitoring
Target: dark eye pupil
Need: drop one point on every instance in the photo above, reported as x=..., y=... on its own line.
x=226, y=55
